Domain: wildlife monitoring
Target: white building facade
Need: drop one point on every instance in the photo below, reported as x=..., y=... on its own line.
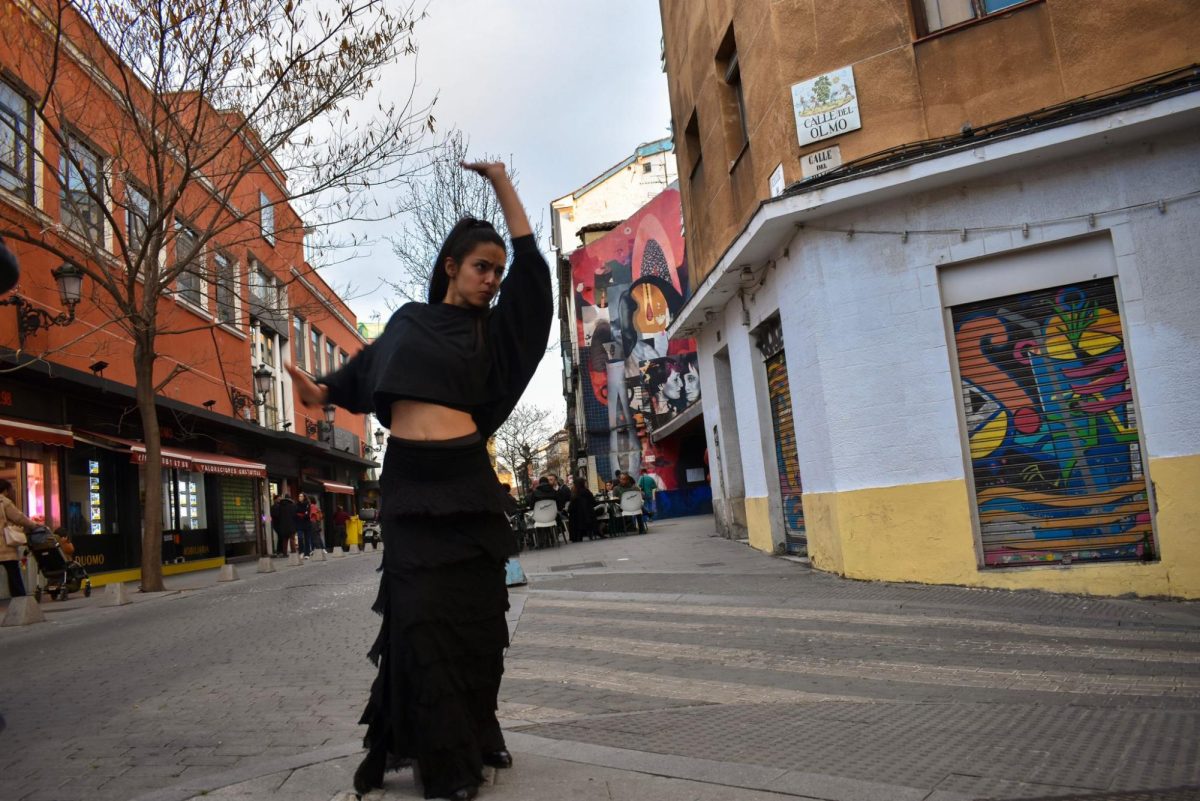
x=975, y=367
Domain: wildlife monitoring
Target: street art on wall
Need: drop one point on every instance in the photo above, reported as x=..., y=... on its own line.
x=629, y=285
x=786, y=459
x=1051, y=427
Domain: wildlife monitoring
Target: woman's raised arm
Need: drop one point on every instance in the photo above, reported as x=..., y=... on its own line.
x=514, y=213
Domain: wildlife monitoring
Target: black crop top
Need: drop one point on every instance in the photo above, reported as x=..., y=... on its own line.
x=475, y=360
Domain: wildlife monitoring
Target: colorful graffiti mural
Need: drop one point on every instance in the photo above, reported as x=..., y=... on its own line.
x=786, y=459
x=629, y=285
x=1051, y=428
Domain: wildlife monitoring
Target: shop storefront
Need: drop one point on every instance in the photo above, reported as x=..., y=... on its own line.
x=211, y=504
x=30, y=454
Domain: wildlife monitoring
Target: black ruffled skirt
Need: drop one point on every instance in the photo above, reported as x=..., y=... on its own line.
x=440, y=649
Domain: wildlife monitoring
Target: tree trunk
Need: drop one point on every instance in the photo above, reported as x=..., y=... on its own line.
x=152, y=505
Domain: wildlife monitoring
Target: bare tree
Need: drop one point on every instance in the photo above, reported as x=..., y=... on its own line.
x=433, y=203
x=158, y=118
x=518, y=439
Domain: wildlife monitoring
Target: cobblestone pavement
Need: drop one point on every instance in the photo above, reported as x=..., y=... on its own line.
x=967, y=693
x=672, y=665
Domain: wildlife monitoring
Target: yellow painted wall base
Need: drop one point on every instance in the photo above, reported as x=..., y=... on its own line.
x=122, y=576
x=758, y=524
x=923, y=532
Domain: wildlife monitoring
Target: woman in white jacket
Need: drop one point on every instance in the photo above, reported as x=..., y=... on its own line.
x=11, y=515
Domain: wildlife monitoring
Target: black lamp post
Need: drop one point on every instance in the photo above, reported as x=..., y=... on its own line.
x=263, y=378
x=380, y=436
x=31, y=319
x=263, y=381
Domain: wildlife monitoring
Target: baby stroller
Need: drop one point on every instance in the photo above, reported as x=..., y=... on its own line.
x=60, y=575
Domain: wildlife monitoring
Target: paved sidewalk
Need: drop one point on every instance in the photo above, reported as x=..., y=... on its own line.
x=671, y=665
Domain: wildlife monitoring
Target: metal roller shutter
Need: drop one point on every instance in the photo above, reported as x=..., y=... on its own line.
x=790, y=489
x=1053, y=439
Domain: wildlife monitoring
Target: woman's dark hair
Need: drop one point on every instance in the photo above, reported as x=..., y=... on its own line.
x=463, y=238
x=4, y=485
x=580, y=484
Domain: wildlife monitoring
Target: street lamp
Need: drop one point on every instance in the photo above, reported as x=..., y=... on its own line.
x=380, y=436
x=31, y=319
x=263, y=378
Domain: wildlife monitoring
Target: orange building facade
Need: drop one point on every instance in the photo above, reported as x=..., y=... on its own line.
x=70, y=432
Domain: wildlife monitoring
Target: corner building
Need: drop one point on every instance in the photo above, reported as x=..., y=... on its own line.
x=944, y=259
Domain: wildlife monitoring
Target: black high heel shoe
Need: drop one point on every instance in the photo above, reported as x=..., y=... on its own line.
x=498, y=759
x=369, y=774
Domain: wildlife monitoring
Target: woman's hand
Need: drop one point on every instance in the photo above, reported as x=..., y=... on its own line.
x=311, y=393
x=497, y=175
x=494, y=171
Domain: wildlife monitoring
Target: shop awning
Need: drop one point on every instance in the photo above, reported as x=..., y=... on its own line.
x=36, y=432
x=337, y=489
x=202, y=462
x=184, y=459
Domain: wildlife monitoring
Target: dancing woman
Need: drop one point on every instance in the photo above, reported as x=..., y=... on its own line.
x=442, y=377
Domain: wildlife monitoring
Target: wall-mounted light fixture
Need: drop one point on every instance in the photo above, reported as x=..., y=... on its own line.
x=31, y=319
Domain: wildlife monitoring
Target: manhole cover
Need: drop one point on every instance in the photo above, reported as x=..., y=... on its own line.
x=580, y=566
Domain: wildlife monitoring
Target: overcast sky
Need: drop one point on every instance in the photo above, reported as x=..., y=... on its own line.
x=567, y=88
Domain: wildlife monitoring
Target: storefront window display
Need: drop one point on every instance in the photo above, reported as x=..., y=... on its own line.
x=34, y=473
x=185, y=515
x=188, y=496
x=91, y=494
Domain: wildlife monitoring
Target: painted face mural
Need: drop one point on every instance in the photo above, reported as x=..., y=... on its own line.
x=1051, y=428
x=629, y=285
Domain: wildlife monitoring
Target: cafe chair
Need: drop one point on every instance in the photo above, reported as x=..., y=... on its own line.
x=631, y=507
x=545, y=516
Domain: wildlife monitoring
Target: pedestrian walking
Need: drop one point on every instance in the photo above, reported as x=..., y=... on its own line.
x=13, y=525
x=340, y=518
x=316, y=519
x=304, y=524
x=648, y=484
x=442, y=377
x=286, y=523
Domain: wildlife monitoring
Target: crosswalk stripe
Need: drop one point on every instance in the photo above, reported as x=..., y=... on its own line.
x=907, y=621
x=867, y=669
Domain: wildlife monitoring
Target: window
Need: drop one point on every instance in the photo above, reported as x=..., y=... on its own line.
x=314, y=338
x=16, y=121
x=933, y=15
x=342, y=358
x=262, y=287
x=298, y=341
x=266, y=347
x=190, y=284
x=733, y=100
x=330, y=356
x=184, y=501
x=79, y=171
x=137, y=219
x=267, y=215
x=647, y=167
x=691, y=137
x=226, y=271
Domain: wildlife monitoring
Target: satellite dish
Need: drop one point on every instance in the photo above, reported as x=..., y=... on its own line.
x=9, y=272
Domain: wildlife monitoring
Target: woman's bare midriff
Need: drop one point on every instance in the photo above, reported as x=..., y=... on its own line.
x=418, y=420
